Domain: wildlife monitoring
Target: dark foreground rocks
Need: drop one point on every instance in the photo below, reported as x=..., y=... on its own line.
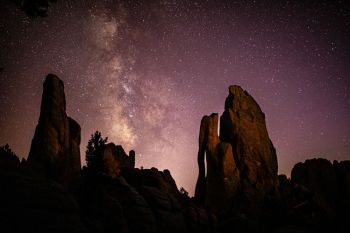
x=317, y=195
x=30, y=203
x=144, y=200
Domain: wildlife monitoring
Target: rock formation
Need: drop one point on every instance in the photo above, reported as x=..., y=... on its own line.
x=241, y=175
x=328, y=185
x=55, y=149
x=140, y=200
x=318, y=176
x=243, y=126
x=342, y=170
x=115, y=159
x=242, y=156
x=218, y=188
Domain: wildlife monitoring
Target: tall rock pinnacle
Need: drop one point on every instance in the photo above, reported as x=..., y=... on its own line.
x=55, y=149
x=242, y=162
x=243, y=126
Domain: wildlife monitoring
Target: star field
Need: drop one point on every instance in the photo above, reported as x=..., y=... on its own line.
x=145, y=72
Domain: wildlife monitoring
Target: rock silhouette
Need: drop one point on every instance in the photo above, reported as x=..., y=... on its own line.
x=243, y=126
x=218, y=188
x=328, y=187
x=120, y=199
x=238, y=191
x=55, y=148
x=243, y=157
x=115, y=159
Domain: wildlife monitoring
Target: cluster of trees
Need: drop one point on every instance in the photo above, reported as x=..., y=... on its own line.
x=5, y=150
x=8, y=158
x=93, y=153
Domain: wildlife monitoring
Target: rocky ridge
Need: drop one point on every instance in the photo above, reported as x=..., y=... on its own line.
x=50, y=192
x=238, y=191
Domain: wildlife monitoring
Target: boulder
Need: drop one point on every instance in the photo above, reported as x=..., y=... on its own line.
x=55, y=148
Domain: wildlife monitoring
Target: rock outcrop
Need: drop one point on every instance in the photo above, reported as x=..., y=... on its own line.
x=328, y=187
x=342, y=170
x=55, y=149
x=218, y=188
x=319, y=177
x=243, y=126
x=140, y=200
x=236, y=192
x=243, y=157
x=115, y=160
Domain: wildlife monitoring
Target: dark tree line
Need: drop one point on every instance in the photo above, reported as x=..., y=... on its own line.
x=8, y=158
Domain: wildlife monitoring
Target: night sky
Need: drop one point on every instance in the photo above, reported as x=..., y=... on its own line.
x=145, y=72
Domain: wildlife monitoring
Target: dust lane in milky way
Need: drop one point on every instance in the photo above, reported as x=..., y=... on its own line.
x=145, y=73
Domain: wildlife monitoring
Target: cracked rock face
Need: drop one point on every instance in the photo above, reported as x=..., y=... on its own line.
x=55, y=148
x=243, y=157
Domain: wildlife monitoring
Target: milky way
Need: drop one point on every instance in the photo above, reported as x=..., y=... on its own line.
x=145, y=72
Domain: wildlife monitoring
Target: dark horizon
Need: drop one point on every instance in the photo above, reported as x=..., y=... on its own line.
x=145, y=74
